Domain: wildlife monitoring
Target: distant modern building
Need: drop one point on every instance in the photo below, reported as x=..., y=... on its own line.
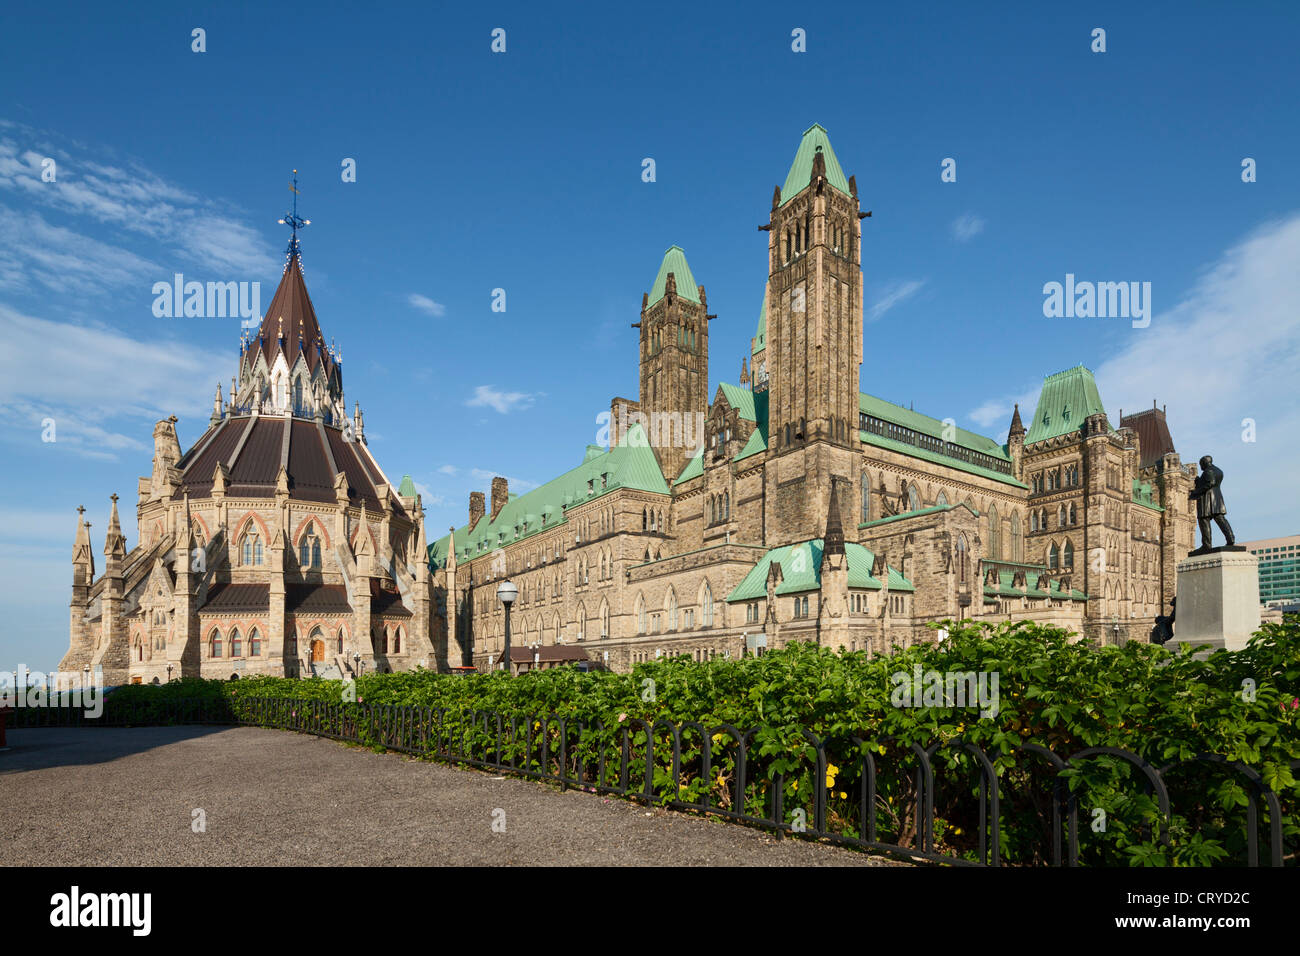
x=1279, y=568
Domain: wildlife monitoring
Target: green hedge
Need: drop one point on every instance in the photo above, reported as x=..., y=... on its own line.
x=1161, y=705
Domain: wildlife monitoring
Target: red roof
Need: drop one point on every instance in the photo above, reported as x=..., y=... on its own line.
x=1152, y=430
x=291, y=314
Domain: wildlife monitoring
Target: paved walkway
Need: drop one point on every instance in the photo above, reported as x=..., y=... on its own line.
x=112, y=797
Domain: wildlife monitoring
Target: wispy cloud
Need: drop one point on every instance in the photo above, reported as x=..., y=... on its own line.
x=892, y=295
x=448, y=469
x=73, y=374
x=1227, y=352
x=967, y=227
x=504, y=402
x=426, y=305
x=127, y=199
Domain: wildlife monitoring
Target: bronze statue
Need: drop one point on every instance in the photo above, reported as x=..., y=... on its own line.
x=1209, y=503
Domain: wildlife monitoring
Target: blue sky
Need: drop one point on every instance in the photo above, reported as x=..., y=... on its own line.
x=522, y=171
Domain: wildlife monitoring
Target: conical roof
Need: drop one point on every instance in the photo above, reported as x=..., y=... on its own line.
x=291, y=315
x=675, y=262
x=815, y=140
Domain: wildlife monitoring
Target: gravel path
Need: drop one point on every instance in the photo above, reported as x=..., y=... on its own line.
x=111, y=797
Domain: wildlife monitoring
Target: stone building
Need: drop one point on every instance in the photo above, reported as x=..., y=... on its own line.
x=275, y=545
x=790, y=506
x=725, y=527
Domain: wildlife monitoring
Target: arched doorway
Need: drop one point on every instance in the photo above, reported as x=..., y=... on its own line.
x=317, y=648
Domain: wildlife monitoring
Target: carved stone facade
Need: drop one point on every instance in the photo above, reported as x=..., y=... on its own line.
x=732, y=546
x=275, y=545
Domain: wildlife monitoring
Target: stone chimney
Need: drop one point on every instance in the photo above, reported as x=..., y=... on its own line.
x=476, y=507
x=500, y=495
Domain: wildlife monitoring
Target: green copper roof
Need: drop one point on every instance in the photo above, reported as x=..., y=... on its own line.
x=760, y=337
x=932, y=427
x=407, y=488
x=1143, y=495
x=741, y=399
x=631, y=465
x=675, y=262
x=694, y=468
x=801, y=570
x=814, y=141
x=1066, y=400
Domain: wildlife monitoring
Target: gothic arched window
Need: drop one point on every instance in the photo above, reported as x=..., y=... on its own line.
x=707, y=606
x=254, y=643
x=961, y=557
x=913, y=499
x=1053, y=556
x=1069, y=555
x=236, y=644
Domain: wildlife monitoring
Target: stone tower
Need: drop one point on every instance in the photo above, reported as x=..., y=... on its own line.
x=813, y=339
x=674, y=396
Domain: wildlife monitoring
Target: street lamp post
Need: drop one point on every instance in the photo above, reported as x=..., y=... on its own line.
x=356, y=663
x=506, y=594
x=169, y=673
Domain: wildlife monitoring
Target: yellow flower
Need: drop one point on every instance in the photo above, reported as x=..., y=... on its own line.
x=843, y=795
x=796, y=785
x=956, y=831
x=831, y=771
x=717, y=737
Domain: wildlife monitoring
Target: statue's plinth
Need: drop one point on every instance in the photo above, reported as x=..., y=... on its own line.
x=1218, y=599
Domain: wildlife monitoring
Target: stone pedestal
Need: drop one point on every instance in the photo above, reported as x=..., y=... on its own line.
x=1218, y=600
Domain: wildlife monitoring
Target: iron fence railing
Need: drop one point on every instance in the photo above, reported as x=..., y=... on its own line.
x=727, y=770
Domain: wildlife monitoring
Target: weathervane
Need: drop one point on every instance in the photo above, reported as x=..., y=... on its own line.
x=291, y=218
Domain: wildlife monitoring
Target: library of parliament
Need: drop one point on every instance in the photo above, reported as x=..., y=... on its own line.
x=790, y=506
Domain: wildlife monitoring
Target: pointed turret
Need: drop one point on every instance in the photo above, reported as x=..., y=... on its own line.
x=834, y=539
x=1017, y=426
x=114, y=542
x=83, y=557
x=1016, y=443
x=216, y=406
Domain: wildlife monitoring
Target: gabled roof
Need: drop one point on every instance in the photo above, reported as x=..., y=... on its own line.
x=815, y=140
x=291, y=312
x=1066, y=399
x=801, y=570
x=675, y=262
x=407, y=488
x=632, y=464
x=743, y=400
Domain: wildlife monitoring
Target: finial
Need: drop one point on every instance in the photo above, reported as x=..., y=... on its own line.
x=113, y=497
x=81, y=510
x=291, y=218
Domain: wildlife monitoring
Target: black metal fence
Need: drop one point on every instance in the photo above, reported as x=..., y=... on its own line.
x=739, y=776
